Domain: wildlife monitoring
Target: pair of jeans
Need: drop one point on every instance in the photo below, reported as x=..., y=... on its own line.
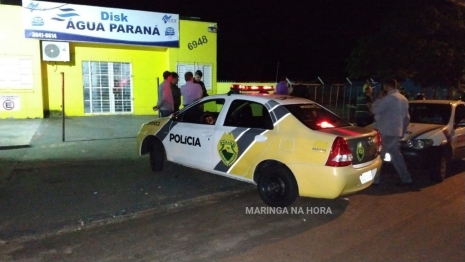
x=391, y=145
x=165, y=113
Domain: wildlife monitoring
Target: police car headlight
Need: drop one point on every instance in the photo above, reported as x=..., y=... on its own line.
x=423, y=143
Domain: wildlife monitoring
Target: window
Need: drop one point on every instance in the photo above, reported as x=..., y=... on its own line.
x=460, y=115
x=206, y=69
x=15, y=72
x=316, y=117
x=107, y=87
x=430, y=113
x=248, y=114
x=202, y=113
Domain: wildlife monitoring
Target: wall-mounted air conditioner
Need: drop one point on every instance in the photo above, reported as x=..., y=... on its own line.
x=55, y=51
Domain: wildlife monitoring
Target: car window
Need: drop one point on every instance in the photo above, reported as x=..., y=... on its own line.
x=243, y=113
x=459, y=114
x=316, y=117
x=202, y=113
x=430, y=113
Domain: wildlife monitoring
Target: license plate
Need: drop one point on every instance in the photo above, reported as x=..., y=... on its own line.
x=367, y=176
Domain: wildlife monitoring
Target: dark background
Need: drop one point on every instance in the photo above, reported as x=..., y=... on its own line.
x=309, y=38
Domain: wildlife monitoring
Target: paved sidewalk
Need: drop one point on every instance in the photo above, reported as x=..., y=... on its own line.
x=95, y=177
x=17, y=133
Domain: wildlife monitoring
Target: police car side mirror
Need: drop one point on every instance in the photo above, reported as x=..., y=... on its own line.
x=175, y=116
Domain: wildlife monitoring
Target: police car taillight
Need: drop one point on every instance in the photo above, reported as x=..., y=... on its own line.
x=340, y=154
x=378, y=142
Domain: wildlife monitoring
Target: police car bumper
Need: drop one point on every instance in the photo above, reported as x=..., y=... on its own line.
x=332, y=182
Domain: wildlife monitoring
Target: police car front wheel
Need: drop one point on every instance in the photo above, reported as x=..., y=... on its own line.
x=277, y=186
x=157, y=156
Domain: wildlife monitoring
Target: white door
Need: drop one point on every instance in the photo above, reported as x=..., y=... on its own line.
x=191, y=138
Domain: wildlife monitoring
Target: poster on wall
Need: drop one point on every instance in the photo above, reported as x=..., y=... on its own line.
x=9, y=103
x=81, y=23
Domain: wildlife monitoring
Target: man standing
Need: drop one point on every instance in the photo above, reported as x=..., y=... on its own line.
x=165, y=98
x=392, y=119
x=198, y=80
x=363, y=116
x=175, y=91
x=191, y=91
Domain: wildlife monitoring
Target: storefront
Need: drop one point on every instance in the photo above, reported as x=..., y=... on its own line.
x=108, y=60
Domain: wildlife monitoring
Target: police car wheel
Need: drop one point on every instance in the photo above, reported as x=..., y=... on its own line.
x=157, y=156
x=277, y=186
x=439, y=172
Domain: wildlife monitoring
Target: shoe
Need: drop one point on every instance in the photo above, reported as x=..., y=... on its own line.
x=404, y=183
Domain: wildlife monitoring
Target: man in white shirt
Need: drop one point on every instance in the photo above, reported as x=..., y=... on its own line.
x=191, y=91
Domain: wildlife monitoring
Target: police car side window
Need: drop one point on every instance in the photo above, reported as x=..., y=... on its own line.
x=203, y=113
x=243, y=113
x=460, y=115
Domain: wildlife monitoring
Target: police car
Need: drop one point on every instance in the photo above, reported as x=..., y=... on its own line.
x=285, y=145
x=435, y=135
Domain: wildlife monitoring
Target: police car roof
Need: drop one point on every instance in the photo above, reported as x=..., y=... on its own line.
x=443, y=102
x=263, y=98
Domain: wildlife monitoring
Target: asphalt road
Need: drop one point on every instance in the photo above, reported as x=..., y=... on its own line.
x=385, y=223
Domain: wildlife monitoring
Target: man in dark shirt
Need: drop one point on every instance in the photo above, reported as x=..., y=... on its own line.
x=175, y=91
x=197, y=79
x=363, y=115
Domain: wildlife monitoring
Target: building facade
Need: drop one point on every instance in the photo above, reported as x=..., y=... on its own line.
x=95, y=60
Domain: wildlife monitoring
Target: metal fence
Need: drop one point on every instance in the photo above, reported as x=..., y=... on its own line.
x=341, y=98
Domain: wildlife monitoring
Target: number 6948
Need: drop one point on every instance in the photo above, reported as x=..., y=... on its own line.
x=195, y=43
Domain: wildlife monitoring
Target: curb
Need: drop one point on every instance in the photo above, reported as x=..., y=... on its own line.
x=196, y=201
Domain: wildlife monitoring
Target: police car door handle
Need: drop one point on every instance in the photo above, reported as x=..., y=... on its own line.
x=260, y=138
x=207, y=133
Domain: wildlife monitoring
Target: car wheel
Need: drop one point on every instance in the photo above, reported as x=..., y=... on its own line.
x=157, y=156
x=277, y=186
x=439, y=170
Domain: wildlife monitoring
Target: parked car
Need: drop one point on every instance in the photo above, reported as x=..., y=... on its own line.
x=435, y=135
x=285, y=145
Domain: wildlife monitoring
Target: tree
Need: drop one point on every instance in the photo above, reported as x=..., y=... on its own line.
x=421, y=40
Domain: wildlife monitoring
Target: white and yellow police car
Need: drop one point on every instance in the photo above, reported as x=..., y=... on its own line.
x=435, y=135
x=285, y=145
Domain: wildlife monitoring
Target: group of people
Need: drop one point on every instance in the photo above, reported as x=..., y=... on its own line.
x=169, y=94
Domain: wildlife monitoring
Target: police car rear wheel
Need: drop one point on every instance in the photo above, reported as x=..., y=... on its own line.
x=277, y=186
x=157, y=156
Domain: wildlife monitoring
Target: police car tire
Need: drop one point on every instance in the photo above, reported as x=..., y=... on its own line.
x=439, y=171
x=277, y=186
x=157, y=156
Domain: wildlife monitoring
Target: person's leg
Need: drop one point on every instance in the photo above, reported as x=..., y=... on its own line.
x=165, y=113
x=391, y=145
x=383, y=154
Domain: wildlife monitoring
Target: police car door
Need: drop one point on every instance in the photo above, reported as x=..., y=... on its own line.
x=190, y=141
x=242, y=137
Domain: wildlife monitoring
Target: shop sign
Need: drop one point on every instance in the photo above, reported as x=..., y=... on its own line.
x=69, y=22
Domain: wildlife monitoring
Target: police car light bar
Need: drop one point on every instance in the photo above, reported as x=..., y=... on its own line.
x=251, y=88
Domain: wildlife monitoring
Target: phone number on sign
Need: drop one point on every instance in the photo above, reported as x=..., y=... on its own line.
x=43, y=35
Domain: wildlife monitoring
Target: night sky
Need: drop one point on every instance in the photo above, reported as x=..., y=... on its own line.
x=309, y=38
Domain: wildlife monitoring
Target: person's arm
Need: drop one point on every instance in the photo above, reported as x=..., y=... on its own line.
x=160, y=95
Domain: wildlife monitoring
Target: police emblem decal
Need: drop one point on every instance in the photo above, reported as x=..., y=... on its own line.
x=360, y=151
x=228, y=149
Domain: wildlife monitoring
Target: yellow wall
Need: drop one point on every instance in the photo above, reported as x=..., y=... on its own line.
x=224, y=87
x=148, y=63
x=205, y=53
x=13, y=43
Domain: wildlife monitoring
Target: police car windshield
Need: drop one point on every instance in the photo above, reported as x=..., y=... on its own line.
x=430, y=113
x=316, y=117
